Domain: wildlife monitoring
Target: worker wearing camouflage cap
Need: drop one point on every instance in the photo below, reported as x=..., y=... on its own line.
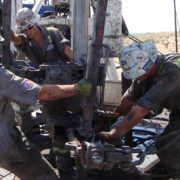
x=39, y=44
x=45, y=45
x=156, y=85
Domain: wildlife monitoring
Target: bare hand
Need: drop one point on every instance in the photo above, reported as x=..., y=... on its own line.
x=15, y=38
x=104, y=136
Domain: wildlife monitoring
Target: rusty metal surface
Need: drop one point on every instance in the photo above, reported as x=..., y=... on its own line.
x=93, y=62
x=113, y=27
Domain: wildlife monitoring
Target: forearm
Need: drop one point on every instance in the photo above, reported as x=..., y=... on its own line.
x=54, y=92
x=15, y=38
x=130, y=120
x=69, y=52
x=124, y=106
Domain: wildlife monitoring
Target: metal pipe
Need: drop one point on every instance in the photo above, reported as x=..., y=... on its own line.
x=6, y=24
x=92, y=68
x=37, y=6
x=80, y=30
x=175, y=23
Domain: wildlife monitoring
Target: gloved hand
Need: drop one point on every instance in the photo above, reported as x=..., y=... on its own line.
x=83, y=88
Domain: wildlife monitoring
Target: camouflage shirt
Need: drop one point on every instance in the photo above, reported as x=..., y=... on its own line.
x=162, y=91
x=53, y=44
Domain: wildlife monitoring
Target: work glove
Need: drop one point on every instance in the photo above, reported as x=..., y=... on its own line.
x=83, y=88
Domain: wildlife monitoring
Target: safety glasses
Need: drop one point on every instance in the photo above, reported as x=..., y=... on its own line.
x=29, y=27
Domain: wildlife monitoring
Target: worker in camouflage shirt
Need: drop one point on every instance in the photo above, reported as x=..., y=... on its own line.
x=156, y=85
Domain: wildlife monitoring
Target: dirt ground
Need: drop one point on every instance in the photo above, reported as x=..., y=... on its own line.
x=165, y=41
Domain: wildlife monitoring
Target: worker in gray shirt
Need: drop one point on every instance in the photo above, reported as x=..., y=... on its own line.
x=156, y=85
x=39, y=44
x=17, y=154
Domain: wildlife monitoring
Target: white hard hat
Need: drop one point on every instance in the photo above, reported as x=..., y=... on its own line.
x=136, y=59
x=25, y=19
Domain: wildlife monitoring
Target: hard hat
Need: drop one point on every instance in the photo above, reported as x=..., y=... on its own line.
x=25, y=19
x=136, y=59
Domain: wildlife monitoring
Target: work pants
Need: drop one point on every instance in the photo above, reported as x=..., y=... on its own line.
x=22, y=158
x=168, y=144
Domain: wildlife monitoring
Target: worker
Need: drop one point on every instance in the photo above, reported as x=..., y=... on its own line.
x=44, y=45
x=17, y=154
x=39, y=44
x=156, y=85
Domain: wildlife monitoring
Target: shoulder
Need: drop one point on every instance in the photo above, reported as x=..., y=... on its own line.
x=6, y=75
x=170, y=58
x=48, y=30
x=52, y=29
x=4, y=71
x=169, y=63
x=55, y=33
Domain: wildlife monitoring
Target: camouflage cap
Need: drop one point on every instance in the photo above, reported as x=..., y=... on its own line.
x=25, y=19
x=136, y=59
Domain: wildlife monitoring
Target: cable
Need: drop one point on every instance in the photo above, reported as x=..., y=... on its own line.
x=175, y=23
x=178, y=24
x=135, y=39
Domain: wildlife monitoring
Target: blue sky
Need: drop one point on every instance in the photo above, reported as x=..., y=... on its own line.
x=143, y=16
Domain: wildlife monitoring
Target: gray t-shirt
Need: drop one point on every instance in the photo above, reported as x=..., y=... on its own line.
x=162, y=91
x=17, y=89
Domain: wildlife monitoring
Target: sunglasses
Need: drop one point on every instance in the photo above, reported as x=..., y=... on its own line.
x=29, y=27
